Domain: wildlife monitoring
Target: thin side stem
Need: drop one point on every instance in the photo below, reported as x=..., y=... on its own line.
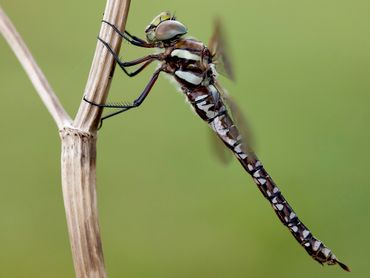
x=33, y=71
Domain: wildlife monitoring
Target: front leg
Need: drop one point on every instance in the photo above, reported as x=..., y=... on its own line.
x=130, y=38
x=148, y=59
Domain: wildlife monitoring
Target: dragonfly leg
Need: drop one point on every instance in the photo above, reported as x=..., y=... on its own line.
x=148, y=59
x=124, y=107
x=130, y=38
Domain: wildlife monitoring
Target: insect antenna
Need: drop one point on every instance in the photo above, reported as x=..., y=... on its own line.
x=173, y=16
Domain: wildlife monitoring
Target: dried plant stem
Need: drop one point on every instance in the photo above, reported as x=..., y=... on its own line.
x=78, y=158
x=79, y=192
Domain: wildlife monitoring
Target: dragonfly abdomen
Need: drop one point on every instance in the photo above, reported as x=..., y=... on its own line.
x=210, y=107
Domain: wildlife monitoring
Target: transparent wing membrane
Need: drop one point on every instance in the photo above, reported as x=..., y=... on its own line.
x=238, y=118
x=218, y=148
x=220, y=51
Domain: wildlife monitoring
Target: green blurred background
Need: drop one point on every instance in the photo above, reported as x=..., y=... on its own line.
x=167, y=207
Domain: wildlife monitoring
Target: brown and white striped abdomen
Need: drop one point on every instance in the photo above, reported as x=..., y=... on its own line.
x=208, y=105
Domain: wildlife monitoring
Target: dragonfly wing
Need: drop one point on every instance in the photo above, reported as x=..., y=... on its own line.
x=218, y=148
x=219, y=49
x=238, y=118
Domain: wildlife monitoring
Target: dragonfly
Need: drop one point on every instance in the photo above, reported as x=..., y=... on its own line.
x=194, y=67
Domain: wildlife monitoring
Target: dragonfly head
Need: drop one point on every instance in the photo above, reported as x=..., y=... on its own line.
x=164, y=27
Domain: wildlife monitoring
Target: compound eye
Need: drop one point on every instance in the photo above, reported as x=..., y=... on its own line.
x=169, y=29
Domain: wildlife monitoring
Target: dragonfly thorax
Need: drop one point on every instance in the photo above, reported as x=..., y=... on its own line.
x=190, y=63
